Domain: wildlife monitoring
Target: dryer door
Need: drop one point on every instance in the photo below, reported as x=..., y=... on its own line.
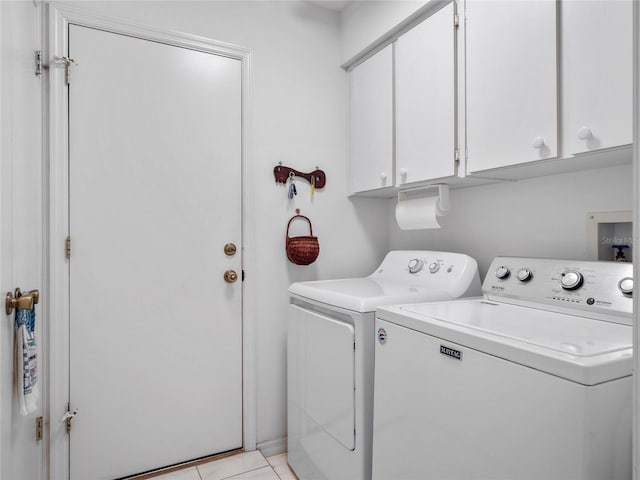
x=326, y=372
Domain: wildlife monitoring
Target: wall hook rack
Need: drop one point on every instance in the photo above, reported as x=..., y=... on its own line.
x=317, y=178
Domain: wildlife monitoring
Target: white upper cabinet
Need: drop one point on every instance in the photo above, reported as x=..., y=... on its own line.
x=511, y=82
x=371, y=123
x=538, y=80
x=425, y=100
x=596, y=74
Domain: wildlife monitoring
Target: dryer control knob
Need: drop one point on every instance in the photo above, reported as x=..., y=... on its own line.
x=524, y=275
x=503, y=272
x=434, y=267
x=572, y=280
x=626, y=285
x=415, y=265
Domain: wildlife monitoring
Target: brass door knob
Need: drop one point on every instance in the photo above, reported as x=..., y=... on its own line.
x=230, y=249
x=230, y=276
x=21, y=300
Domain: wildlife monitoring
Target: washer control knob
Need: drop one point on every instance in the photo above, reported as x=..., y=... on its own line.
x=415, y=265
x=524, y=275
x=571, y=280
x=626, y=285
x=434, y=267
x=503, y=272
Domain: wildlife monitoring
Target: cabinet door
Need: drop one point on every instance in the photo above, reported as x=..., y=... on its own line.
x=597, y=62
x=371, y=123
x=511, y=82
x=425, y=100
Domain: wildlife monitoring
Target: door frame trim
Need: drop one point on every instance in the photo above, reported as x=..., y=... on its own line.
x=56, y=225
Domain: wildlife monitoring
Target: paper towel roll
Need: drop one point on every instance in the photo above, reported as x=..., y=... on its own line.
x=417, y=213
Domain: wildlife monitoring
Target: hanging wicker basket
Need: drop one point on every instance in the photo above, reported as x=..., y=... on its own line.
x=302, y=250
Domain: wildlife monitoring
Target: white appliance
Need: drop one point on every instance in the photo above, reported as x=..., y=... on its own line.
x=330, y=355
x=532, y=381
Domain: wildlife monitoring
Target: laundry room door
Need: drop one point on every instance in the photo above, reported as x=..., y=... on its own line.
x=154, y=197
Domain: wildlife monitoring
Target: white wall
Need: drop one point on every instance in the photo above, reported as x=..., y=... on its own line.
x=538, y=217
x=299, y=118
x=362, y=23
x=21, y=203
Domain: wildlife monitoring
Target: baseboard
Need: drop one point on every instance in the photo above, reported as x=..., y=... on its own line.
x=273, y=447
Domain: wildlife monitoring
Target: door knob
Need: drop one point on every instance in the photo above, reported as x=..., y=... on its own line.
x=230, y=249
x=21, y=300
x=230, y=276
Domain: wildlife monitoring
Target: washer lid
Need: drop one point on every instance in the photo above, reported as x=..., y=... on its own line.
x=577, y=348
x=365, y=294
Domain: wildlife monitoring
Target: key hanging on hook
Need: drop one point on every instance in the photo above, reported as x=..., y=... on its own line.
x=313, y=185
x=292, y=186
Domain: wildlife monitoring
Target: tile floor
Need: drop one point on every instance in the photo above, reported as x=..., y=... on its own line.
x=244, y=466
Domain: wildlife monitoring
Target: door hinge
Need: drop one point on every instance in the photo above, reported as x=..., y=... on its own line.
x=39, y=422
x=456, y=20
x=38, y=59
x=456, y=155
x=67, y=417
x=242, y=273
x=67, y=247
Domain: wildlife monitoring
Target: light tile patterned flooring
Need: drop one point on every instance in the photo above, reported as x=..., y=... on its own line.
x=244, y=466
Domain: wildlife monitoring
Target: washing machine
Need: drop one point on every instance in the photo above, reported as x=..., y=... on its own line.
x=531, y=381
x=330, y=345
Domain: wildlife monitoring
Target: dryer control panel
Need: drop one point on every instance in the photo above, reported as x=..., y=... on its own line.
x=598, y=289
x=454, y=273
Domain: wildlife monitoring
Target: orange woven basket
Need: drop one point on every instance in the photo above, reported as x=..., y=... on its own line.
x=302, y=250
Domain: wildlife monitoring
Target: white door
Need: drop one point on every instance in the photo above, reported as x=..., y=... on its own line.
x=371, y=123
x=22, y=455
x=511, y=83
x=155, y=331
x=597, y=62
x=425, y=100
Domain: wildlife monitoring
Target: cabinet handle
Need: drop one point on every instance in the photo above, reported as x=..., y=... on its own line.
x=538, y=142
x=585, y=133
x=403, y=172
x=383, y=176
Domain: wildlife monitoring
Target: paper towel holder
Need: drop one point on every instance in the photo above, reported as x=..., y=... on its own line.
x=443, y=195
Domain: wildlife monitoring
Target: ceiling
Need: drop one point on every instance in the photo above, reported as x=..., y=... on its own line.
x=337, y=5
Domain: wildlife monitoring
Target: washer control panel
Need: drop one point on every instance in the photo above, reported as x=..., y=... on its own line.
x=603, y=288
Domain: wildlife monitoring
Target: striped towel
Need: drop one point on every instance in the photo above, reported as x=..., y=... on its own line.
x=28, y=391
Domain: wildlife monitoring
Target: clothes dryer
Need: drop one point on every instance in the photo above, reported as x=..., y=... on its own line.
x=330, y=355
